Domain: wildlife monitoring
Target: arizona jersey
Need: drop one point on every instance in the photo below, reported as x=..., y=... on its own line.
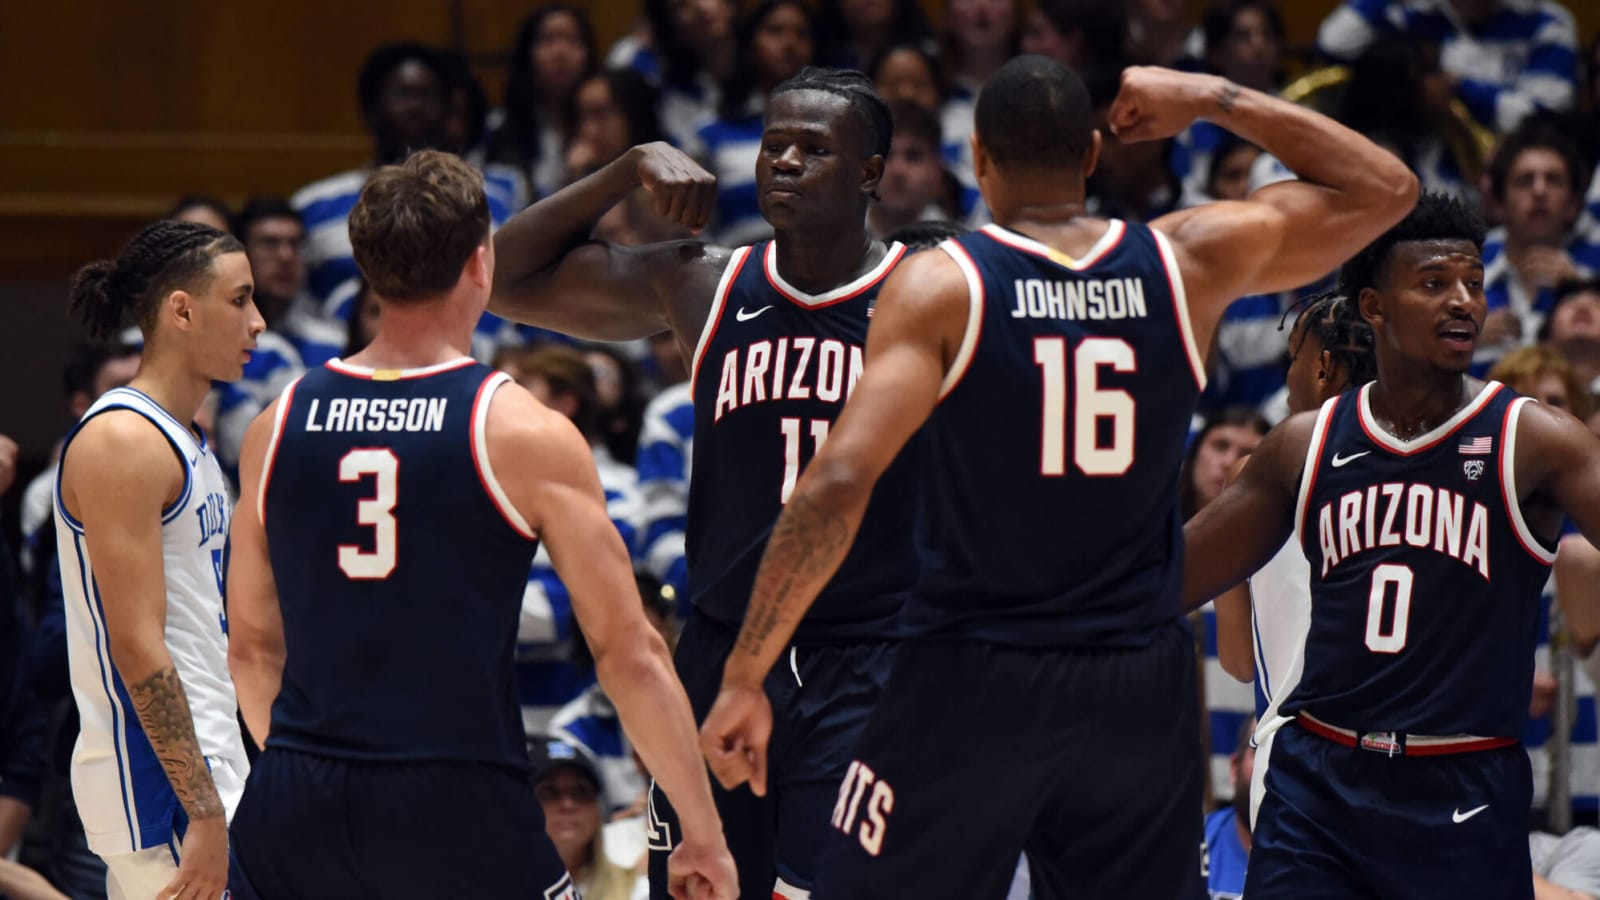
x=772, y=371
x=1425, y=579
x=122, y=793
x=1051, y=517
x=400, y=567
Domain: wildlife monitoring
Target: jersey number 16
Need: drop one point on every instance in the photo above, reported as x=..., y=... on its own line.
x=1090, y=404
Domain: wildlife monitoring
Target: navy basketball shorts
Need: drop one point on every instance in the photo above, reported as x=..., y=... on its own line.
x=1088, y=759
x=1344, y=822
x=312, y=827
x=822, y=696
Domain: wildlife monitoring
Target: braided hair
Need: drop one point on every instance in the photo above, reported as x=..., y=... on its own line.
x=857, y=90
x=1336, y=321
x=163, y=257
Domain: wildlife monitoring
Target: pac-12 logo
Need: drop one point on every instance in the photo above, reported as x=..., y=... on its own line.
x=872, y=816
x=1472, y=468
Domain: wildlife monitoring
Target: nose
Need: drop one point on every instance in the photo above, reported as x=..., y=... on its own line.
x=789, y=160
x=257, y=324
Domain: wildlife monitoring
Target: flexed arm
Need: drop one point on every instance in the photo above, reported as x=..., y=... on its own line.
x=549, y=273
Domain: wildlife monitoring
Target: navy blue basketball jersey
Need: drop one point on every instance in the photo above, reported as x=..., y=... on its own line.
x=772, y=371
x=1425, y=579
x=400, y=567
x=1050, y=513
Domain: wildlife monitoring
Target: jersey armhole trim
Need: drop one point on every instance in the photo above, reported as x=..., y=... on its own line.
x=279, y=417
x=713, y=315
x=1308, y=475
x=480, y=456
x=1180, y=303
x=168, y=512
x=1508, y=485
x=969, y=338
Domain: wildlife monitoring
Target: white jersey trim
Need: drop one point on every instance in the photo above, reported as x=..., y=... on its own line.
x=1388, y=441
x=769, y=261
x=1308, y=474
x=279, y=417
x=969, y=338
x=119, y=715
x=1180, y=302
x=1508, y=485
x=368, y=372
x=480, y=455
x=735, y=263
x=1115, y=229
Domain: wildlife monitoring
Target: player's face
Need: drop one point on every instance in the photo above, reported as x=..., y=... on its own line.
x=571, y=810
x=1430, y=307
x=1306, y=360
x=225, y=319
x=814, y=172
x=273, y=247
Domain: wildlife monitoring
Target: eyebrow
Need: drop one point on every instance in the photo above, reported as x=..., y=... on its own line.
x=1440, y=265
x=809, y=130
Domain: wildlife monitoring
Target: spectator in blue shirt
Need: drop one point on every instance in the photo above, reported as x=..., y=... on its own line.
x=1504, y=59
x=1226, y=850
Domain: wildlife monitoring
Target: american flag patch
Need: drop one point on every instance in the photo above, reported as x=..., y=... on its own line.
x=1477, y=446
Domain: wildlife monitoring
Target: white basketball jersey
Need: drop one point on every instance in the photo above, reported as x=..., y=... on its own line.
x=122, y=793
x=1280, y=618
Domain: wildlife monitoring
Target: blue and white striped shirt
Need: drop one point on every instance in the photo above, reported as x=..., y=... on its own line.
x=546, y=677
x=1522, y=58
x=729, y=149
x=666, y=445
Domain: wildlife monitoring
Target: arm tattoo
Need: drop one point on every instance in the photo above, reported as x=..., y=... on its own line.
x=807, y=544
x=1230, y=94
x=164, y=712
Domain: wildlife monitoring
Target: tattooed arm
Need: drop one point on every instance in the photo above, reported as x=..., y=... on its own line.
x=117, y=477
x=920, y=320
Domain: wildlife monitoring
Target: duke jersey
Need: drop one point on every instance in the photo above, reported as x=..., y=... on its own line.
x=122, y=792
x=772, y=370
x=1408, y=632
x=1053, y=520
x=400, y=567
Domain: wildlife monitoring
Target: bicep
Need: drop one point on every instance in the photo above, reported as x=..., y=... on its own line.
x=596, y=291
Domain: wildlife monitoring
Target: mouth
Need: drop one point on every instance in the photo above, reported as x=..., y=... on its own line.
x=781, y=192
x=1461, y=334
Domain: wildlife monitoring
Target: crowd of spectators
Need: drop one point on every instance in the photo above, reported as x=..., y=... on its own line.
x=1494, y=101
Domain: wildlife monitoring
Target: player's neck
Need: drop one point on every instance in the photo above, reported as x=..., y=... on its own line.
x=176, y=388
x=411, y=337
x=1022, y=203
x=818, y=262
x=1411, y=403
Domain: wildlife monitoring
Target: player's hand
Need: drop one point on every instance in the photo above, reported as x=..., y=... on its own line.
x=1156, y=103
x=682, y=191
x=203, y=870
x=735, y=737
x=702, y=869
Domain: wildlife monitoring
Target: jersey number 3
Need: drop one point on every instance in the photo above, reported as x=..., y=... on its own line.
x=376, y=511
x=1090, y=404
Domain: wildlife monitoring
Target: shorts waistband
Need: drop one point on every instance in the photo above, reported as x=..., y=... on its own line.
x=1391, y=743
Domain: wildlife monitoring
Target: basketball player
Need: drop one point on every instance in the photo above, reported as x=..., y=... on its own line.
x=775, y=332
x=1054, y=359
x=394, y=504
x=1330, y=350
x=142, y=514
x=1392, y=766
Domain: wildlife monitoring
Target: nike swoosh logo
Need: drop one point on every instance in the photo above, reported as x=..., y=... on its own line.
x=743, y=316
x=1458, y=816
x=1339, y=461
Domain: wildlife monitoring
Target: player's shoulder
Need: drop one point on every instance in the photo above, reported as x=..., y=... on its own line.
x=516, y=418
x=117, y=442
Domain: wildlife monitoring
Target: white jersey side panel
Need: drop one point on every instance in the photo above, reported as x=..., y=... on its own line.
x=1280, y=619
x=122, y=793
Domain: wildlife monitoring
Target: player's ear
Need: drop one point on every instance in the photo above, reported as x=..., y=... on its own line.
x=1371, y=309
x=871, y=175
x=1091, y=157
x=480, y=266
x=179, y=306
